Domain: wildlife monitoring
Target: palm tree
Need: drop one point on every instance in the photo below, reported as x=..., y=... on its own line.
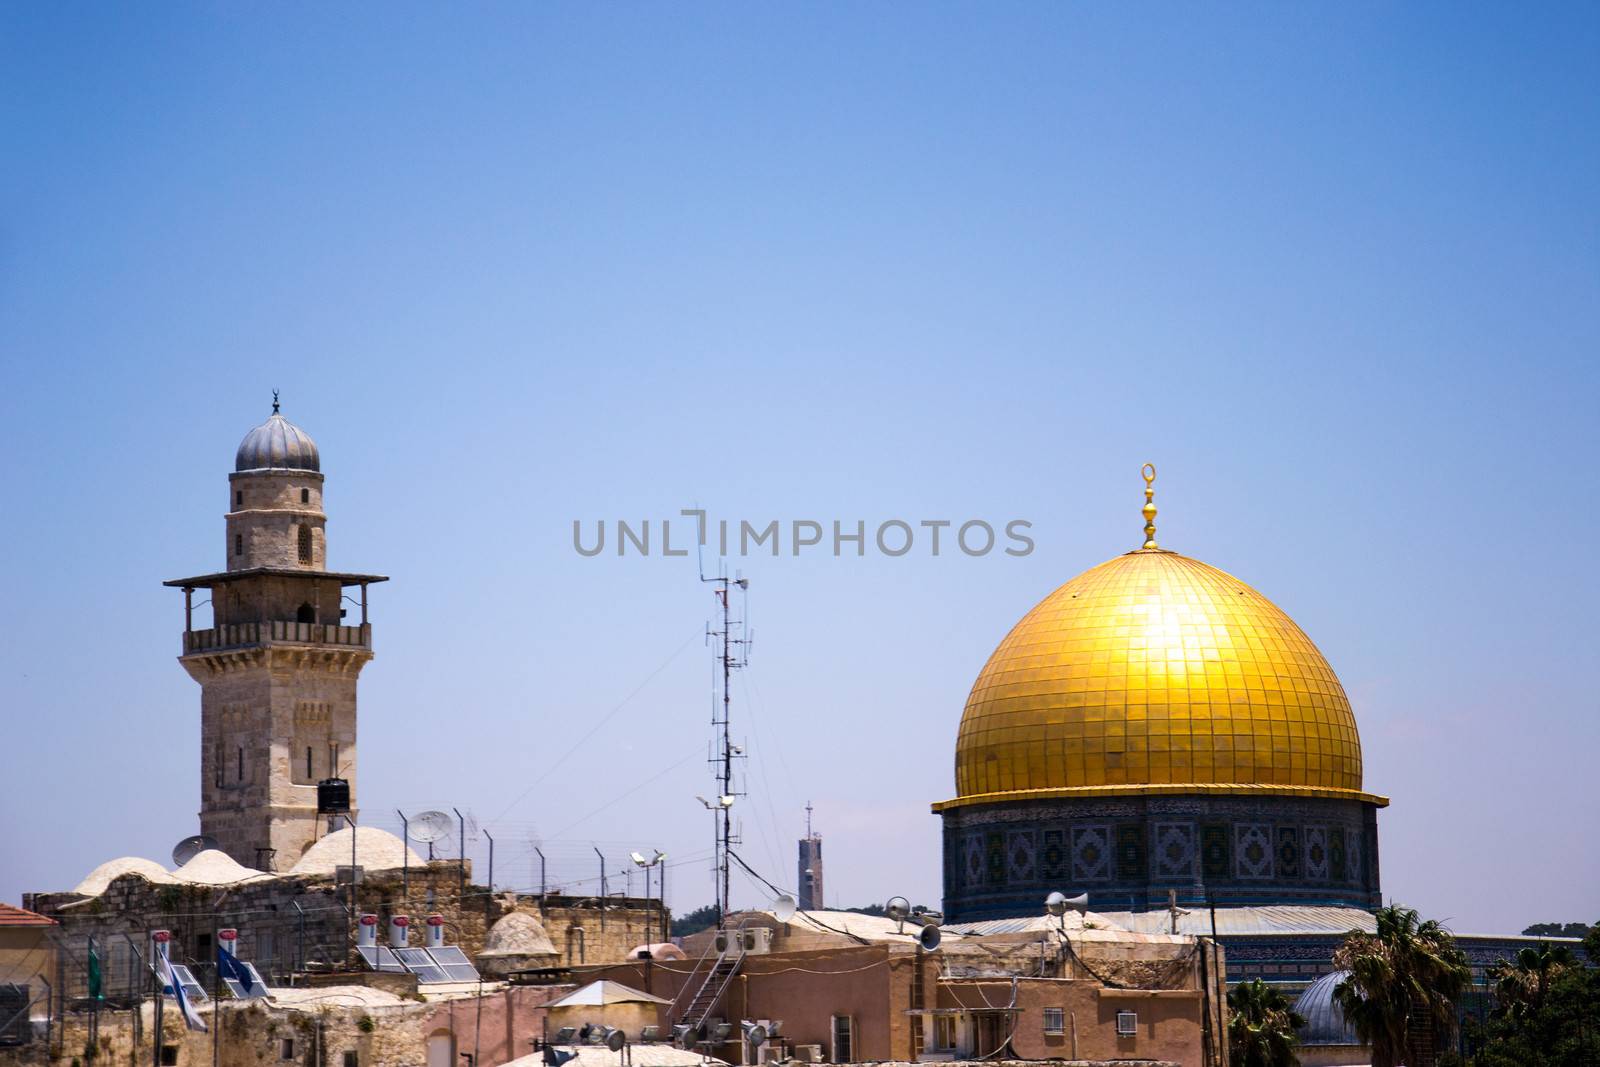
x=1521, y=984
x=1408, y=972
x=1261, y=1026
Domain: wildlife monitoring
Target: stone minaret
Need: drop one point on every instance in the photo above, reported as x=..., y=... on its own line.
x=278, y=667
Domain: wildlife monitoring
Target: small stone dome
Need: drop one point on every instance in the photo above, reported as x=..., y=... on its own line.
x=518, y=934
x=376, y=850
x=1325, y=1023
x=99, y=879
x=277, y=444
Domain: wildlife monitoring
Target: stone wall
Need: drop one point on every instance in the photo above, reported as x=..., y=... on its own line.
x=281, y=938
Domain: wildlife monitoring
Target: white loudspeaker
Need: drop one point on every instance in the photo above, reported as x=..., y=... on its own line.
x=929, y=938
x=721, y=942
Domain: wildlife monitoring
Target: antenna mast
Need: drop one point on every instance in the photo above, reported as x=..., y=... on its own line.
x=732, y=656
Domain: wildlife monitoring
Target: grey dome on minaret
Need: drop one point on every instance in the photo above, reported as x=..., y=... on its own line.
x=277, y=444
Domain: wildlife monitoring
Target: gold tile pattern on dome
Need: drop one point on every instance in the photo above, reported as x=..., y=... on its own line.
x=1150, y=671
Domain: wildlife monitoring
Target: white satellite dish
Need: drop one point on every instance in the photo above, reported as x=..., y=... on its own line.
x=429, y=827
x=190, y=847
x=784, y=907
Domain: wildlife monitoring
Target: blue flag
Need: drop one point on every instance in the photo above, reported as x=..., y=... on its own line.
x=228, y=966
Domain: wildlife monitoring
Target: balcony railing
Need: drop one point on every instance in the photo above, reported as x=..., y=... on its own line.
x=240, y=635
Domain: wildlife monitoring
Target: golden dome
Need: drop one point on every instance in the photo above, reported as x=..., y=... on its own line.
x=1155, y=673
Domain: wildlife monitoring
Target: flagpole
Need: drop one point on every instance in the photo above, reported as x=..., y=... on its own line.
x=216, y=1001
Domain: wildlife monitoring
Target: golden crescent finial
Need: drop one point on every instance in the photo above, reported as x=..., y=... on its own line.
x=1149, y=510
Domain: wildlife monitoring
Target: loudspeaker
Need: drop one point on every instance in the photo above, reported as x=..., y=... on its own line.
x=929, y=938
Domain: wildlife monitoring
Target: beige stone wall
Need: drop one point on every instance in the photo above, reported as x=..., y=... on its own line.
x=260, y=709
x=266, y=513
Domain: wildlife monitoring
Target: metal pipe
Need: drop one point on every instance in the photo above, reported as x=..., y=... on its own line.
x=597, y=852
x=541, y=872
x=405, y=854
x=461, y=849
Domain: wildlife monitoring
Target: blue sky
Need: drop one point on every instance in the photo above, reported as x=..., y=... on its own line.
x=1332, y=268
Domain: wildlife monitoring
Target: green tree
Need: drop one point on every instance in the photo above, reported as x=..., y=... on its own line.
x=1521, y=985
x=1547, y=1011
x=1408, y=971
x=692, y=922
x=1261, y=1026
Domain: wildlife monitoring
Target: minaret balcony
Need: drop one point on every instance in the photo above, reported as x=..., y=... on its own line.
x=247, y=634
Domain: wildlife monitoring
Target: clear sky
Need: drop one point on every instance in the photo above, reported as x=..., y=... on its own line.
x=1333, y=268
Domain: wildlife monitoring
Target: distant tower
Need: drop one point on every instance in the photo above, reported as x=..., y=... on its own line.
x=809, y=875
x=278, y=668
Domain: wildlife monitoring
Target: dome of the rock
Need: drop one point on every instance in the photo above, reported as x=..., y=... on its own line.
x=1157, y=726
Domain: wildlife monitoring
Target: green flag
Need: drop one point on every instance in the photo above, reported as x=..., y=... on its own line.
x=95, y=990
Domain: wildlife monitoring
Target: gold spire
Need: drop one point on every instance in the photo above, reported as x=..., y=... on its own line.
x=1149, y=509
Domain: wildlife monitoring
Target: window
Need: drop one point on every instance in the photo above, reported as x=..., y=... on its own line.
x=202, y=946
x=1055, y=1021
x=305, y=544
x=1127, y=1023
x=241, y=764
x=305, y=613
x=169, y=1056
x=305, y=496
x=308, y=761
x=238, y=544
x=286, y=1048
x=238, y=498
x=218, y=765
x=944, y=1031
x=842, y=1045
x=351, y=1059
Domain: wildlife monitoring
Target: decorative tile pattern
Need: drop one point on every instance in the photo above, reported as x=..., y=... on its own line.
x=1288, y=852
x=1132, y=864
x=1352, y=855
x=1317, y=853
x=1252, y=850
x=1214, y=865
x=994, y=858
x=1091, y=853
x=974, y=859
x=1336, y=854
x=1053, y=856
x=1020, y=856
x=1174, y=850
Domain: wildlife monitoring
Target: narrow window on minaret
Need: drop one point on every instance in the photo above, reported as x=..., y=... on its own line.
x=241, y=764
x=238, y=498
x=216, y=772
x=238, y=544
x=305, y=496
x=305, y=544
x=308, y=761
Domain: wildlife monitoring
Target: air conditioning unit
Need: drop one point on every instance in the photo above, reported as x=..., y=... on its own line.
x=1127, y=1023
x=757, y=940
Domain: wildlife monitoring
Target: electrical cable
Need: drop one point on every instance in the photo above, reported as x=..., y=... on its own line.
x=557, y=764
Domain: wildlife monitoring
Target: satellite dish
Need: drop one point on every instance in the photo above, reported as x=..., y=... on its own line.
x=615, y=1040
x=897, y=908
x=190, y=847
x=784, y=907
x=429, y=827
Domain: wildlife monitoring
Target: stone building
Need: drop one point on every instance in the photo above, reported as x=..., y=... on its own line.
x=278, y=666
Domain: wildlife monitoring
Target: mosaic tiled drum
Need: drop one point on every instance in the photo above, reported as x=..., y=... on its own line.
x=1157, y=724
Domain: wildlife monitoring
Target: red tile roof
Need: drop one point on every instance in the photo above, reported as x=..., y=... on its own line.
x=10, y=915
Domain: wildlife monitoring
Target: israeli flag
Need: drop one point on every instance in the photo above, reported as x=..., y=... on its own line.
x=191, y=1018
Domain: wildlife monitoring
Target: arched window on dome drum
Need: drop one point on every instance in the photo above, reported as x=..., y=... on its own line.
x=305, y=544
x=305, y=613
